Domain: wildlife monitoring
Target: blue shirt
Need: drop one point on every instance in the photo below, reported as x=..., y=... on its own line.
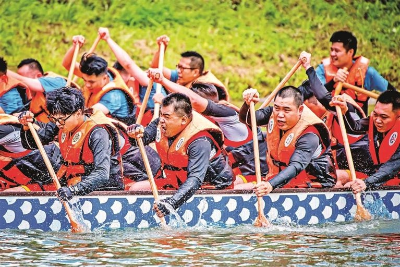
x=174, y=76
x=115, y=101
x=11, y=101
x=373, y=80
x=52, y=83
x=150, y=102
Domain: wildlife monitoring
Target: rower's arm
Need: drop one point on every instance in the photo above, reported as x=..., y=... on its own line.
x=199, y=153
x=387, y=171
x=68, y=59
x=126, y=61
x=47, y=132
x=302, y=156
x=100, y=146
x=33, y=84
x=262, y=115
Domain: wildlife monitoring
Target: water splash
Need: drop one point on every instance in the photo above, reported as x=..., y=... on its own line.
x=76, y=207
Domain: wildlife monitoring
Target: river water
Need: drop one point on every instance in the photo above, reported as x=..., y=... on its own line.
x=372, y=243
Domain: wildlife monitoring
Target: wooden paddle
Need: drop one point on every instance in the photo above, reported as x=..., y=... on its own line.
x=72, y=67
x=280, y=85
x=75, y=226
x=361, y=213
x=151, y=177
x=91, y=50
x=360, y=90
x=261, y=220
x=144, y=102
x=158, y=87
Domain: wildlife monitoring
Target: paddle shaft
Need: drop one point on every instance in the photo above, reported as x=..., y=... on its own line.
x=158, y=87
x=360, y=90
x=144, y=103
x=256, y=157
x=346, y=144
x=72, y=67
x=280, y=85
x=74, y=224
x=150, y=175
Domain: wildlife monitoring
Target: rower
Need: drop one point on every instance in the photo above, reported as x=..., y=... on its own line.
x=382, y=127
x=299, y=154
x=238, y=143
x=318, y=99
x=190, y=149
x=88, y=143
x=189, y=70
x=359, y=73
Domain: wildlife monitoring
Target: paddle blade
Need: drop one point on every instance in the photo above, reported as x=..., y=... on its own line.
x=362, y=214
x=77, y=228
x=262, y=221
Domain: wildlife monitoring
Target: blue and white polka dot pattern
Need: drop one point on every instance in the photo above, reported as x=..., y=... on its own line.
x=48, y=214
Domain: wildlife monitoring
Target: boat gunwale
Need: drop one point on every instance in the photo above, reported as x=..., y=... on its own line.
x=198, y=192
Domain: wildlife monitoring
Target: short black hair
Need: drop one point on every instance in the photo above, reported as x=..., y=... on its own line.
x=206, y=90
x=180, y=102
x=32, y=63
x=347, y=38
x=196, y=60
x=3, y=66
x=291, y=91
x=65, y=101
x=390, y=97
x=92, y=64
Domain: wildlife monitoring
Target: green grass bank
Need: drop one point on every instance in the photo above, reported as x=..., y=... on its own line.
x=245, y=43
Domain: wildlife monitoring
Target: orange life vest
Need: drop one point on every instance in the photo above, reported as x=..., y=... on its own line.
x=356, y=76
x=93, y=97
x=174, y=158
x=334, y=126
x=75, y=150
x=208, y=77
x=38, y=103
x=11, y=176
x=390, y=143
x=280, y=149
x=14, y=83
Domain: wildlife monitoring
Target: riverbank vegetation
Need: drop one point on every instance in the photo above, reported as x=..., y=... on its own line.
x=245, y=43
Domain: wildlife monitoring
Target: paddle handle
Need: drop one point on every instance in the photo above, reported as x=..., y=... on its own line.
x=281, y=84
x=158, y=87
x=360, y=90
x=150, y=175
x=72, y=67
x=75, y=227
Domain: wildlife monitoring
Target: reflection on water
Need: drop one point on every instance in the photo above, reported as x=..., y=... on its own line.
x=372, y=243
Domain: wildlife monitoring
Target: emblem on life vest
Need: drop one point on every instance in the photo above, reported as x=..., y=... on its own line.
x=158, y=135
x=392, y=138
x=76, y=138
x=63, y=136
x=179, y=144
x=270, y=125
x=289, y=139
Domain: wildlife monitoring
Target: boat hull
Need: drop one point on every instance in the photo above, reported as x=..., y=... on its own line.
x=105, y=210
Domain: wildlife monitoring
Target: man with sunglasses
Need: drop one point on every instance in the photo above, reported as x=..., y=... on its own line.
x=89, y=144
x=189, y=70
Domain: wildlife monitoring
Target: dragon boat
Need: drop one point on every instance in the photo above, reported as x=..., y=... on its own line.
x=122, y=209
